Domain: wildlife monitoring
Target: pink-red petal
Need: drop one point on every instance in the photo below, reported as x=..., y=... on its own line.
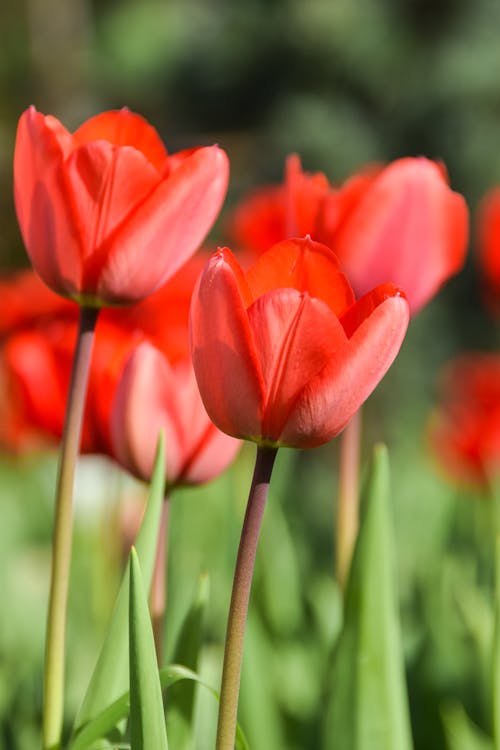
x=304, y=265
x=224, y=355
x=123, y=128
x=329, y=400
x=295, y=336
x=165, y=229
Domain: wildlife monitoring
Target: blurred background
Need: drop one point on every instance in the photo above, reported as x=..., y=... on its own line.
x=342, y=83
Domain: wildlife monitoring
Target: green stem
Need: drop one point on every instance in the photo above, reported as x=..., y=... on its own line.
x=347, y=523
x=158, y=598
x=238, y=609
x=61, y=544
x=496, y=652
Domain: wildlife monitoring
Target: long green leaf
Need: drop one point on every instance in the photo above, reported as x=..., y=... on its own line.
x=147, y=716
x=104, y=723
x=496, y=649
x=180, y=707
x=368, y=707
x=111, y=675
x=461, y=733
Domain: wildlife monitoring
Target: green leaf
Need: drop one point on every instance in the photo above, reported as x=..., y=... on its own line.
x=181, y=699
x=110, y=677
x=147, y=716
x=368, y=707
x=104, y=723
x=461, y=733
x=496, y=650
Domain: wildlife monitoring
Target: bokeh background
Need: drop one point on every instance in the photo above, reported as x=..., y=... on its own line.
x=343, y=83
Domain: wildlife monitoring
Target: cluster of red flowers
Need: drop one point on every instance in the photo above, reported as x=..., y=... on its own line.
x=284, y=353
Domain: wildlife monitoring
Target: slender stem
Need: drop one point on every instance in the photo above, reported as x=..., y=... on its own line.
x=347, y=523
x=61, y=544
x=496, y=652
x=158, y=600
x=238, y=609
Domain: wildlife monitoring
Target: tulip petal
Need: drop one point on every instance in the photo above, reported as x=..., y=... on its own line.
x=123, y=128
x=363, y=307
x=171, y=223
x=303, y=265
x=136, y=421
x=330, y=399
x=223, y=351
x=104, y=184
x=40, y=197
x=409, y=228
x=296, y=336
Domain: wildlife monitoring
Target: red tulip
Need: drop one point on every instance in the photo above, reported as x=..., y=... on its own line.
x=106, y=215
x=401, y=224
x=283, y=354
x=465, y=429
x=489, y=247
x=407, y=227
x=153, y=394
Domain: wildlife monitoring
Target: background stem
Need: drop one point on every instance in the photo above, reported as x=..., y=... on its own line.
x=347, y=522
x=238, y=610
x=53, y=706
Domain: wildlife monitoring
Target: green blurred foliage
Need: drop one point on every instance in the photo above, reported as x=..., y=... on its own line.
x=342, y=83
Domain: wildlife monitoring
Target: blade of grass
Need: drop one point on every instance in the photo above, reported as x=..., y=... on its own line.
x=147, y=716
x=368, y=708
x=110, y=677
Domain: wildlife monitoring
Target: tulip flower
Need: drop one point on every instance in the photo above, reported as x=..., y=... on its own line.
x=488, y=220
x=465, y=428
x=105, y=213
x=153, y=394
x=401, y=223
x=283, y=354
x=407, y=227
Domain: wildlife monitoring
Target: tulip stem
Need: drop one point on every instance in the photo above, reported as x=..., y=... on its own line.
x=53, y=705
x=158, y=599
x=347, y=522
x=238, y=609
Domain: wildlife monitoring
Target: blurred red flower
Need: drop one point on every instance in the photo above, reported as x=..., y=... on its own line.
x=283, y=354
x=154, y=394
x=401, y=223
x=37, y=340
x=465, y=428
x=488, y=223
x=105, y=213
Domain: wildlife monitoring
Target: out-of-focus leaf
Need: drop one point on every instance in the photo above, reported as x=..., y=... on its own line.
x=496, y=650
x=368, y=706
x=259, y=706
x=461, y=733
x=110, y=677
x=104, y=723
x=181, y=698
x=147, y=716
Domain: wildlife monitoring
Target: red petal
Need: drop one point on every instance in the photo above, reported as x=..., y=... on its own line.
x=41, y=203
x=160, y=235
x=303, y=265
x=124, y=128
x=224, y=357
x=104, y=183
x=295, y=337
x=363, y=307
x=329, y=400
x=409, y=228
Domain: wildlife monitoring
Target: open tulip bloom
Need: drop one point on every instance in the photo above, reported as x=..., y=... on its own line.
x=105, y=213
x=284, y=355
x=107, y=216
